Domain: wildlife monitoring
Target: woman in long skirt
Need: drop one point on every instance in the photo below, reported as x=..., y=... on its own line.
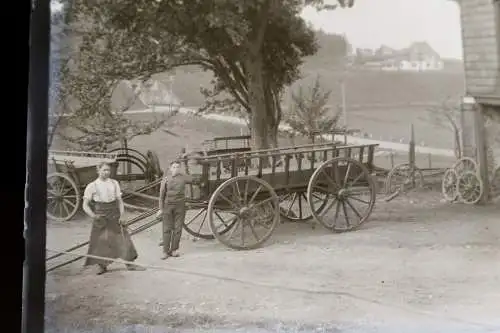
x=108, y=238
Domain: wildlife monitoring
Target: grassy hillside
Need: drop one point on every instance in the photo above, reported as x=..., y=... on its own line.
x=362, y=87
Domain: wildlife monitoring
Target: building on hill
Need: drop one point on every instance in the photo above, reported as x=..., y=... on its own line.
x=152, y=93
x=419, y=56
x=481, y=52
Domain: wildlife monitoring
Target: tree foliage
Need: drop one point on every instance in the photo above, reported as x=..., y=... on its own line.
x=447, y=116
x=91, y=63
x=310, y=113
x=254, y=48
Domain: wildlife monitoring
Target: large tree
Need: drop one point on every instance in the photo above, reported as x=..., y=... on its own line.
x=254, y=48
x=90, y=60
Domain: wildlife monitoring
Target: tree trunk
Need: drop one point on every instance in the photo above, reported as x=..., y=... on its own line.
x=256, y=101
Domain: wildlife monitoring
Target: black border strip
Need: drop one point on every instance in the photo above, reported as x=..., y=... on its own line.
x=35, y=217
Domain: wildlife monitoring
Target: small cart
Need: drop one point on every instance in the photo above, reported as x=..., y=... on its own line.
x=69, y=173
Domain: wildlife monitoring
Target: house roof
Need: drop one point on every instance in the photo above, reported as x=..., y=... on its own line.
x=414, y=52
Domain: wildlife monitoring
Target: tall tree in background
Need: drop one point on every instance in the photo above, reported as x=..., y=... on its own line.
x=254, y=48
x=91, y=60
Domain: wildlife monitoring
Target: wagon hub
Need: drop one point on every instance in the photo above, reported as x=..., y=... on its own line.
x=244, y=211
x=343, y=193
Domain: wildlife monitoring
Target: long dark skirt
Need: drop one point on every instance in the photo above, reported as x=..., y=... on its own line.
x=108, y=238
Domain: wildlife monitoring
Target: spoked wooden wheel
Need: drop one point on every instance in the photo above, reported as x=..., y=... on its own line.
x=464, y=164
x=198, y=226
x=63, y=197
x=402, y=179
x=295, y=207
x=351, y=190
x=469, y=187
x=246, y=205
x=449, y=185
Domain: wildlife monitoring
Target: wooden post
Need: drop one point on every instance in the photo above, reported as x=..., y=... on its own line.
x=344, y=106
x=411, y=154
x=467, y=129
x=482, y=156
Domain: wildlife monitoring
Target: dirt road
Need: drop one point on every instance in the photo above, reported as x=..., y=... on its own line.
x=418, y=265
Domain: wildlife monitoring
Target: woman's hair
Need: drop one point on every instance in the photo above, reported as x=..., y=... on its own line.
x=101, y=164
x=175, y=162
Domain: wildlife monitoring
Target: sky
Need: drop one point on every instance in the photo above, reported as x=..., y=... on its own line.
x=395, y=23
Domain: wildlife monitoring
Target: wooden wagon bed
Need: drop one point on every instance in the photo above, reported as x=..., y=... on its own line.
x=321, y=175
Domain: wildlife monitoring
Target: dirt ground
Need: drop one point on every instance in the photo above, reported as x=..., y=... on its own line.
x=418, y=265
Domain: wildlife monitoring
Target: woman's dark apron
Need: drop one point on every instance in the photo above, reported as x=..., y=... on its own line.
x=108, y=237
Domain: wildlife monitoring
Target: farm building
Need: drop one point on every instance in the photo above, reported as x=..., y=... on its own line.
x=480, y=20
x=419, y=56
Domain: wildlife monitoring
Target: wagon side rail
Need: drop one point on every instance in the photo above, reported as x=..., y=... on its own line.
x=282, y=169
x=279, y=150
x=223, y=142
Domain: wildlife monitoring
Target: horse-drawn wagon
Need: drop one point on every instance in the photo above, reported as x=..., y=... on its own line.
x=244, y=194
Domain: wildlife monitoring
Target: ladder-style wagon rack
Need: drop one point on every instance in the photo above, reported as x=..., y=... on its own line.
x=244, y=194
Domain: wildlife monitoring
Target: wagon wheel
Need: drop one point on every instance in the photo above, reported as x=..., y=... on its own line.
x=469, y=187
x=253, y=207
x=137, y=167
x=135, y=154
x=295, y=207
x=449, y=185
x=154, y=166
x=402, y=179
x=63, y=197
x=463, y=165
x=197, y=227
x=351, y=189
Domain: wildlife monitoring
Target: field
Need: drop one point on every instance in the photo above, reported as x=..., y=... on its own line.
x=363, y=88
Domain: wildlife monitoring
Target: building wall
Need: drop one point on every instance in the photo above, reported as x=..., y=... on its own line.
x=481, y=46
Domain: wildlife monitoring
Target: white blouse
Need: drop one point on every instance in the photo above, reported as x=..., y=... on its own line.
x=103, y=190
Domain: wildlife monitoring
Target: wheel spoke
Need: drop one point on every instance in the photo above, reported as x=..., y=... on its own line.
x=330, y=205
x=70, y=203
x=65, y=208
x=254, y=233
x=291, y=204
x=358, y=199
x=347, y=222
x=351, y=184
x=195, y=217
x=332, y=182
x=202, y=222
x=236, y=189
x=242, y=239
x=227, y=200
x=254, y=195
x=337, y=210
x=246, y=192
x=354, y=209
x=347, y=173
x=262, y=202
x=300, y=205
